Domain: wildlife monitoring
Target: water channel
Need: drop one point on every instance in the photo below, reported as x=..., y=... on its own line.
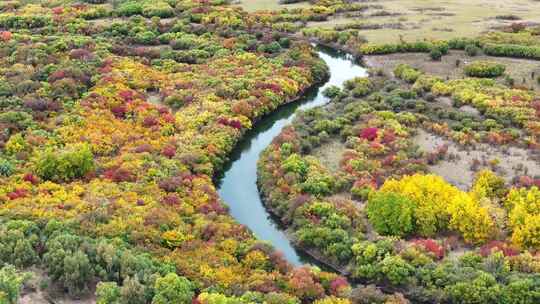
x=237, y=186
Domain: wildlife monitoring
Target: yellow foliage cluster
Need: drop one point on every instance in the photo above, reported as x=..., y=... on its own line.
x=524, y=216
x=440, y=206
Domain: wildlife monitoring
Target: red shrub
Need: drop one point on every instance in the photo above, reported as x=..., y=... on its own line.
x=120, y=175
x=495, y=246
x=212, y=207
x=143, y=148
x=150, y=121
x=171, y=199
x=369, y=133
x=388, y=137
x=58, y=10
x=170, y=184
x=430, y=246
x=337, y=285
x=5, y=36
x=17, y=193
x=57, y=75
x=169, y=151
x=127, y=95
x=230, y=122
x=119, y=111
x=31, y=178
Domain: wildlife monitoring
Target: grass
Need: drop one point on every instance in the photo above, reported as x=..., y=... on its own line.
x=426, y=18
x=263, y=5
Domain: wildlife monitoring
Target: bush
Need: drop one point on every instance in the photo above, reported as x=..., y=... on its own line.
x=512, y=50
x=157, y=9
x=435, y=53
x=359, y=86
x=407, y=73
x=6, y=167
x=65, y=165
x=11, y=283
x=173, y=289
x=472, y=50
x=107, y=293
x=130, y=8
x=390, y=213
x=484, y=69
x=146, y=37
x=334, y=91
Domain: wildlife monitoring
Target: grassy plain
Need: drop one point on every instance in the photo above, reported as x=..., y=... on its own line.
x=424, y=19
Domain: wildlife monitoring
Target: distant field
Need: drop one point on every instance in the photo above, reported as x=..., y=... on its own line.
x=260, y=5
x=421, y=19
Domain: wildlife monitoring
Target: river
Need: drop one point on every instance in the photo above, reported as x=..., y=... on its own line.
x=237, y=185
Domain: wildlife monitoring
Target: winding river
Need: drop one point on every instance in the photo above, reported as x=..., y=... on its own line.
x=237, y=186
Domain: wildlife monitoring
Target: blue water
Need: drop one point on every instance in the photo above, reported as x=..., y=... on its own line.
x=237, y=186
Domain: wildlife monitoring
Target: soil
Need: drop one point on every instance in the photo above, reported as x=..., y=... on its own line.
x=512, y=161
x=330, y=154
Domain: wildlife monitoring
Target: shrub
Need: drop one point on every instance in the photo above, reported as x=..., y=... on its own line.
x=512, y=50
x=6, y=167
x=484, y=69
x=407, y=73
x=469, y=218
x=173, y=289
x=334, y=91
x=431, y=195
x=130, y=8
x=435, y=53
x=472, y=50
x=359, y=86
x=65, y=165
x=146, y=37
x=157, y=9
x=11, y=283
x=107, y=293
x=391, y=213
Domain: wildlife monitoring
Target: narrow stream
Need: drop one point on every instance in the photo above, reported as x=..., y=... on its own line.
x=237, y=186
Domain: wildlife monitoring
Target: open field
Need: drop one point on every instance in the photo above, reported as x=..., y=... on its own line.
x=425, y=19
x=259, y=5
x=518, y=69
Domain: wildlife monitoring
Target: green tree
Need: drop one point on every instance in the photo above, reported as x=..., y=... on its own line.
x=11, y=283
x=391, y=213
x=107, y=293
x=173, y=289
x=77, y=272
x=132, y=291
x=65, y=165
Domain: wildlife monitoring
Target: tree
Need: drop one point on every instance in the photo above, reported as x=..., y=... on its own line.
x=391, y=213
x=395, y=269
x=10, y=284
x=470, y=219
x=77, y=272
x=173, y=289
x=107, y=293
x=132, y=291
x=65, y=165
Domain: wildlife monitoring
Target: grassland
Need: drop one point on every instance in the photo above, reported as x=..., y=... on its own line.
x=425, y=19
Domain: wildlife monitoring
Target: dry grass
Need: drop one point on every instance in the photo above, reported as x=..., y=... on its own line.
x=425, y=19
x=518, y=69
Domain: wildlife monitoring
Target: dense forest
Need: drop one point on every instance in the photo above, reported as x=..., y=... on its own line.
x=418, y=183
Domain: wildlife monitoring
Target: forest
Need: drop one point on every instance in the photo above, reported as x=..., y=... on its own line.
x=378, y=162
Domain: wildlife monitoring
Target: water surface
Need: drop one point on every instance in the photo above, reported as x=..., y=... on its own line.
x=237, y=186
